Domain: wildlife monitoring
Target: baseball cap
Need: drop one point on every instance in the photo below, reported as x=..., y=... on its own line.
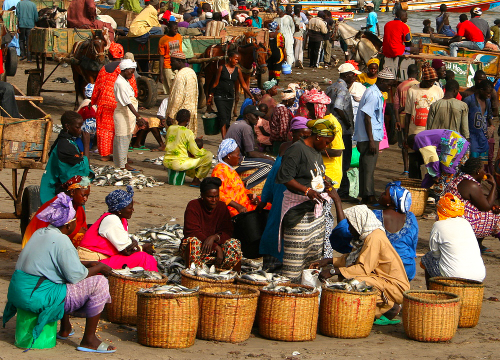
x=253, y=109
x=344, y=68
x=477, y=11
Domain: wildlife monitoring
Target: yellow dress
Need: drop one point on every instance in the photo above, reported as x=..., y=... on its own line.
x=333, y=165
x=365, y=80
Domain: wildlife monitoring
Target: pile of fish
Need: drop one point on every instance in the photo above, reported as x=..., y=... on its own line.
x=109, y=176
x=168, y=289
x=56, y=128
x=155, y=161
x=211, y=273
x=288, y=289
x=250, y=265
x=171, y=267
x=350, y=285
x=261, y=275
x=138, y=273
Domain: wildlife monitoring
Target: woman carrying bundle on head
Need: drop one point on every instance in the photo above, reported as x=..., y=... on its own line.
x=107, y=239
x=208, y=230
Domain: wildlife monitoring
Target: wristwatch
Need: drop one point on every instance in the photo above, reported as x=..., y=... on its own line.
x=332, y=271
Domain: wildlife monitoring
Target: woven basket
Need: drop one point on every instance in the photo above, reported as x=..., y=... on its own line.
x=192, y=281
x=419, y=195
x=123, y=289
x=257, y=189
x=167, y=320
x=471, y=297
x=429, y=315
x=227, y=318
x=288, y=317
x=347, y=314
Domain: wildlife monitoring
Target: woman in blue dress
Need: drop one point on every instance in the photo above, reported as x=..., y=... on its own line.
x=401, y=226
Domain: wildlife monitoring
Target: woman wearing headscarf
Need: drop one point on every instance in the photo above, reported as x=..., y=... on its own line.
x=373, y=260
x=273, y=194
x=401, y=226
x=271, y=89
x=278, y=54
x=280, y=120
x=78, y=189
x=208, y=230
x=104, y=98
x=232, y=190
x=302, y=227
x=370, y=77
x=50, y=280
x=454, y=251
x=107, y=239
x=88, y=113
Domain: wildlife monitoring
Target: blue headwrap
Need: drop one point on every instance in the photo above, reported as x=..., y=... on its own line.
x=272, y=26
x=226, y=147
x=118, y=199
x=255, y=91
x=59, y=212
x=89, y=89
x=400, y=196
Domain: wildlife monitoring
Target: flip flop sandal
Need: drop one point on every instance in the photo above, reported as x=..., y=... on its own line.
x=385, y=321
x=142, y=147
x=101, y=349
x=195, y=186
x=486, y=250
x=65, y=337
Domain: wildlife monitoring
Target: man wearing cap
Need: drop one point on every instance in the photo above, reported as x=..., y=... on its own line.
x=184, y=92
x=475, y=18
x=371, y=20
x=169, y=43
x=241, y=131
x=256, y=20
x=397, y=37
x=341, y=108
x=474, y=38
x=146, y=23
x=369, y=131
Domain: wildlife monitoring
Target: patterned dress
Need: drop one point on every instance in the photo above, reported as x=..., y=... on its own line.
x=280, y=123
x=484, y=223
x=184, y=95
x=104, y=97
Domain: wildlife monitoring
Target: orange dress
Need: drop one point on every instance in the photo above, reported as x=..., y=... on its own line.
x=232, y=188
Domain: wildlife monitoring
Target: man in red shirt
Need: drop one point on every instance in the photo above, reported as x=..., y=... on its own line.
x=474, y=37
x=397, y=37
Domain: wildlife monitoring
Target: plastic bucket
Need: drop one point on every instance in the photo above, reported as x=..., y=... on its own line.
x=248, y=228
x=176, y=177
x=25, y=323
x=286, y=68
x=211, y=125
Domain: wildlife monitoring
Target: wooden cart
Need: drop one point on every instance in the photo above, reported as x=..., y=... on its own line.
x=24, y=146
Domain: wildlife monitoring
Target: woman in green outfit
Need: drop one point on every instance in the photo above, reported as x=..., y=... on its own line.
x=184, y=152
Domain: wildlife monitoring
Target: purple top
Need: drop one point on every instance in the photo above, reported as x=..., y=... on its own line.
x=183, y=24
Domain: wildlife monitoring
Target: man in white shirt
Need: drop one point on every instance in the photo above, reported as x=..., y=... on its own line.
x=454, y=251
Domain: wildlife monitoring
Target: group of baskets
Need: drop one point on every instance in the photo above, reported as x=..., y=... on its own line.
x=175, y=320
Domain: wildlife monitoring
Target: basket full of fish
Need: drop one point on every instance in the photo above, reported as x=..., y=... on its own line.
x=258, y=279
x=167, y=316
x=110, y=176
x=123, y=286
x=347, y=309
x=288, y=312
x=198, y=276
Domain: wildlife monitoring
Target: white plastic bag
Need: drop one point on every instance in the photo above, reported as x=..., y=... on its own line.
x=310, y=277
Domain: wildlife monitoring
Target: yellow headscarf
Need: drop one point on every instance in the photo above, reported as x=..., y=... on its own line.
x=373, y=61
x=449, y=206
x=322, y=127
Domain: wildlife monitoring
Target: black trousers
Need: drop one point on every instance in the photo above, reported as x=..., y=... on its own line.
x=24, y=35
x=314, y=47
x=346, y=164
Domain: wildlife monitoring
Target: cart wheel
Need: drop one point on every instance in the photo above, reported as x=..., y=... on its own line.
x=147, y=92
x=11, y=62
x=34, y=85
x=262, y=78
x=29, y=205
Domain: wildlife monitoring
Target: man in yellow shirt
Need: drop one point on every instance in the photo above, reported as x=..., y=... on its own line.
x=146, y=23
x=332, y=156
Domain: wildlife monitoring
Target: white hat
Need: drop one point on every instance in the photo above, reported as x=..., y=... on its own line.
x=127, y=64
x=369, y=4
x=208, y=15
x=347, y=67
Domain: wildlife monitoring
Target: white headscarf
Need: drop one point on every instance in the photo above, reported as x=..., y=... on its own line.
x=127, y=64
x=364, y=221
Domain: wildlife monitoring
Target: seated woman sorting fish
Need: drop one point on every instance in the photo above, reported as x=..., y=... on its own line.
x=78, y=189
x=107, y=239
x=232, y=191
x=208, y=230
x=50, y=280
x=373, y=260
x=182, y=152
x=479, y=211
x=454, y=251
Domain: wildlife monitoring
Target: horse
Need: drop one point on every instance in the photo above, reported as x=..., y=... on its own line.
x=363, y=45
x=87, y=58
x=53, y=17
x=250, y=51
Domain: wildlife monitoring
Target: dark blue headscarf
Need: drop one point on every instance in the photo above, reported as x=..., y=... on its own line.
x=400, y=196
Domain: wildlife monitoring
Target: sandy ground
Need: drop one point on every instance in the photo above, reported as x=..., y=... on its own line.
x=155, y=206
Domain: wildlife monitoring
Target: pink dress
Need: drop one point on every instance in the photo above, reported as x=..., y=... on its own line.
x=384, y=144
x=94, y=242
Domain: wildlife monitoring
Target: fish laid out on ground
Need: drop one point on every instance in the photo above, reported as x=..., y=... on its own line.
x=169, y=289
x=211, y=273
x=155, y=161
x=261, y=275
x=350, y=285
x=110, y=176
x=138, y=273
x=288, y=289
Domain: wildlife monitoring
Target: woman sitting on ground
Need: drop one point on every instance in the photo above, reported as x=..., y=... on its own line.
x=373, y=260
x=78, y=189
x=208, y=230
x=182, y=152
x=401, y=226
x=232, y=191
x=370, y=77
x=454, y=251
x=50, y=280
x=107, y=239
x=479, y=211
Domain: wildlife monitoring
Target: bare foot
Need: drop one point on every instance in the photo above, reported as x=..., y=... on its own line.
x=195, y=182
x=159, y=148
x=66, y=328
x=94, y=343
x=107, y=158
x=391, y=314
x=128, y=167
x=130, y=161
